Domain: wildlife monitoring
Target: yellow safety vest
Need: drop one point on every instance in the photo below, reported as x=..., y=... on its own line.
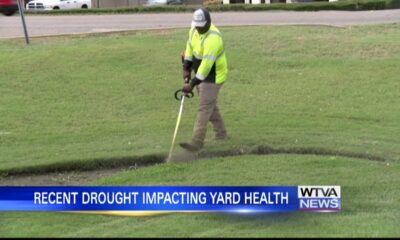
x=207, y=54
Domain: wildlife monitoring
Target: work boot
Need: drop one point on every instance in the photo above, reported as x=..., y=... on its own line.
x=221, y=138
x=191, y=146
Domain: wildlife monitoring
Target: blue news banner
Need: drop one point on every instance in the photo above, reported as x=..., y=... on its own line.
x=249, y=199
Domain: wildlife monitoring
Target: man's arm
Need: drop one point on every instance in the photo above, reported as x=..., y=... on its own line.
x=188, y=59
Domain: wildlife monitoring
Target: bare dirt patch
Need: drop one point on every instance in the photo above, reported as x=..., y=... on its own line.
x=71, y=174
x=59, y=179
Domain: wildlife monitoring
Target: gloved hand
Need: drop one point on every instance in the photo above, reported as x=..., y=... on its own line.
x=187, y=88
x=195, y=81
x=186, y=76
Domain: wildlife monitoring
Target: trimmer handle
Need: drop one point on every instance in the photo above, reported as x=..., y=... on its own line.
x=179, y=94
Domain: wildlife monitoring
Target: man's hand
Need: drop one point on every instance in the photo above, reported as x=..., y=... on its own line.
x=187, y=88
x=186, y=76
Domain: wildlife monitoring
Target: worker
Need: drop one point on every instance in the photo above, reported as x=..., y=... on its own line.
x=205, y=55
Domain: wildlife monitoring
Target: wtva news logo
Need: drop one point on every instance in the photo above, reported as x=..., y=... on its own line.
x=319, y=198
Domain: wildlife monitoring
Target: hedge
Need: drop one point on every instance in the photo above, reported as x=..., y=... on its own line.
x=346, y=5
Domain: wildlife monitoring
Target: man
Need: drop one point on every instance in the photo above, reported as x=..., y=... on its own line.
x=205, y=55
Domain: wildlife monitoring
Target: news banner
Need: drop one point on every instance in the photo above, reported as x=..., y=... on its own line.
x=158, y=199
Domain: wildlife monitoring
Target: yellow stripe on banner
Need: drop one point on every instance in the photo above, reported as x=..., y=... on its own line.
x=133, y=213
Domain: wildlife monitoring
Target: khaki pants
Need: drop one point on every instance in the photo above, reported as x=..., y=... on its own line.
x=208, y=111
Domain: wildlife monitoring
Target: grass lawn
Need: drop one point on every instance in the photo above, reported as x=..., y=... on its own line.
x=83, y=98
x=370, y=197
x=77, y=99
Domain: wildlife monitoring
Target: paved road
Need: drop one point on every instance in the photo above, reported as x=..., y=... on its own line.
x=11, y=27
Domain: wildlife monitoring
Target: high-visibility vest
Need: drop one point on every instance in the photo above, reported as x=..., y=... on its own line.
x=207, y=54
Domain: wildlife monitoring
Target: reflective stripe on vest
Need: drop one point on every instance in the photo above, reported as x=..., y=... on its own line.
x=211, y=32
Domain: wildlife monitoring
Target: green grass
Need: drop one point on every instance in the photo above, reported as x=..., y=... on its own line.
x=370, y=202
x=85, y=98
x=71, y=100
